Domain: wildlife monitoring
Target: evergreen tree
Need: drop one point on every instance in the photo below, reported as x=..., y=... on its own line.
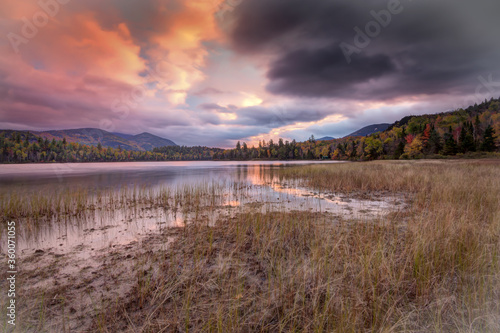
x=434, y=143
x=488, y=139
x=280, y=142
x=450, y=146
x=399, y=150
x=477, y=128
x=244, y=153
x=354, y=149
x=467, y=138
x=27, y=140
x=310, y=155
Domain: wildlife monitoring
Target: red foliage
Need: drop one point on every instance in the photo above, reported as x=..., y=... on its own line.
x=456, y=133
x=427, y=133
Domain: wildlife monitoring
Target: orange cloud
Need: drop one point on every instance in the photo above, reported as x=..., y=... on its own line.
x=91, y=53
x=79, y=46
x=180, y=53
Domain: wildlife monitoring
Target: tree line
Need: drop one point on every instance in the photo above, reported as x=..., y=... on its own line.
x=464, y=131
x=23, y=147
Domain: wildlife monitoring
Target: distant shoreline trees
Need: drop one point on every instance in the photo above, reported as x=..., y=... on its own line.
x=26, y=148
x=475, y=129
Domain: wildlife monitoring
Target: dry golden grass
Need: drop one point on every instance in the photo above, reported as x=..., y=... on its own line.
x=302, y=272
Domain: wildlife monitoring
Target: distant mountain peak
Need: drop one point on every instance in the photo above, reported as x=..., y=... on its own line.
x=146, y=134
x=325, y=138
x=369, y=130
x=150, y=141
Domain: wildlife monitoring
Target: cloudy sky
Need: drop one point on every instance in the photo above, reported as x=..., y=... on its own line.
x=210, y=72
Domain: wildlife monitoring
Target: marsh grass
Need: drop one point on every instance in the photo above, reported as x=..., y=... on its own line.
x=304, y=272
x=38, y=206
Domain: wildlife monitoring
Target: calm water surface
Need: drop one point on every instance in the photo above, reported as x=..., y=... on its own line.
x=262, y=192
x=108, y=175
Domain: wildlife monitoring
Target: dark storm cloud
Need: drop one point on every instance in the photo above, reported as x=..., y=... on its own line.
x=427, y=47
x=275, y=117
x=323, y=72
x=263, y=24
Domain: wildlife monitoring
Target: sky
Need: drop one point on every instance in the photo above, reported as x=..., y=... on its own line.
x=212, y=72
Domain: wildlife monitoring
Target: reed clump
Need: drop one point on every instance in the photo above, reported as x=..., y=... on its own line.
x=39, y=206
x=305, y=272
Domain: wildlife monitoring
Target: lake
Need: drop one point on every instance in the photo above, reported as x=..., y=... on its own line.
x=244, y=186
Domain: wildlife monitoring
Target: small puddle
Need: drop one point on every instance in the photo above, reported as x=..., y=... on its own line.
x=342, y=204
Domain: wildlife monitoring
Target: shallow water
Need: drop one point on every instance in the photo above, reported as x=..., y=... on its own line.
x=245, y=186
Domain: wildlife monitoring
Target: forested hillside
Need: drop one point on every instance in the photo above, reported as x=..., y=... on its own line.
x=475, y=129
x=94, y=136
x=23, y=147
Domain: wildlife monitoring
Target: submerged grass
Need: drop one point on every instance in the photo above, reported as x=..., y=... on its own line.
x=301, y=272
x=38, y=206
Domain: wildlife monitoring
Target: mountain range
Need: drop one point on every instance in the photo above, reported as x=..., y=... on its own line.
x=365, y=131
x=148, y=141
x=144, y=141
x=93, y=136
